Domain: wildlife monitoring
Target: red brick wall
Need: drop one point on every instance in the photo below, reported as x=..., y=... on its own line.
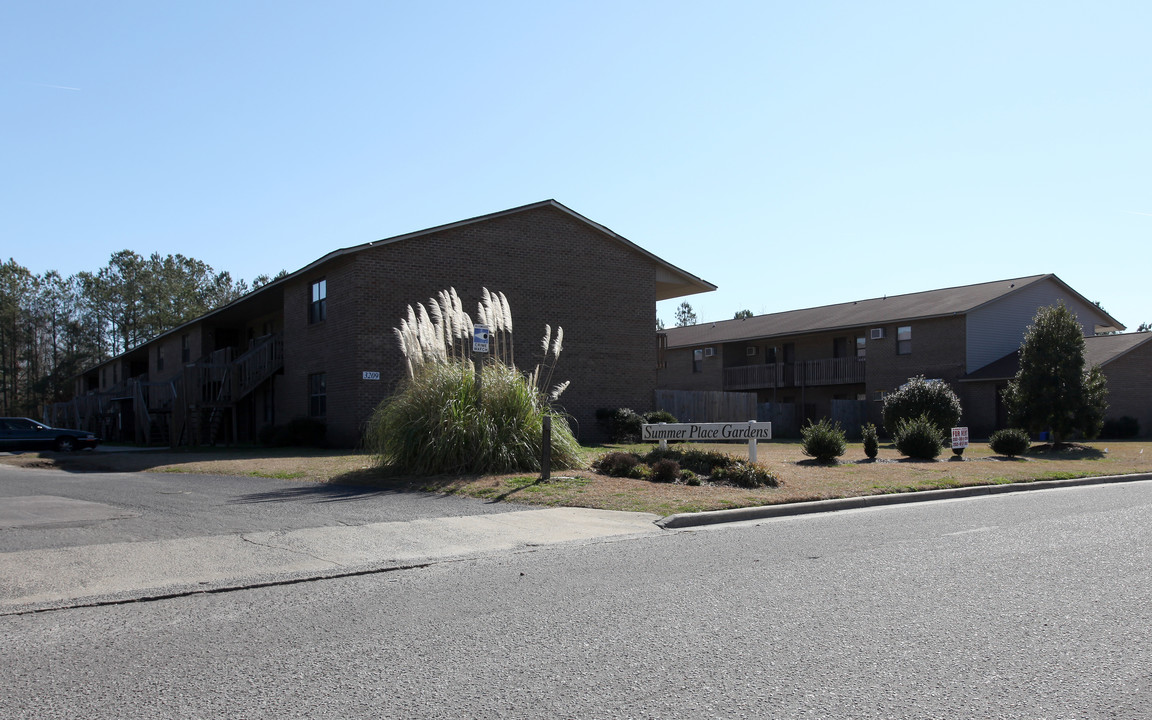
x=552, y=268
x=938, y=351
x=1130, y=387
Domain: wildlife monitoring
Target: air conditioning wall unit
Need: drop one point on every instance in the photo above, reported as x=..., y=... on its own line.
x=750, y=350
x=877, y=333
x=709, y=352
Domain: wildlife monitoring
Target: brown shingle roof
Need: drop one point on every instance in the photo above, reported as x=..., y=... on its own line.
x=861, y=313
x=1098, y=350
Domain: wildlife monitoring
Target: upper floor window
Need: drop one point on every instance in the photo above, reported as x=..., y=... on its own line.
x=159, y=357
x=904, y=340
x=185, y=349
x=698, y=360
x=839, y=347
x=861, y=346
x=318, y=307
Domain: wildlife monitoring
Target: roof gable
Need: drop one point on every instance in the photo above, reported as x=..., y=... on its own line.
x=860, y=313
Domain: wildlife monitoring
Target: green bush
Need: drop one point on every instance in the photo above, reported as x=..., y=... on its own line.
x=665, y=471
x=932, y=398
x=1119, y=428
x=640, y=471
x=698, y=461
x=616, y=464
x=871, y=441
x=1010, y=442
x=689, y=477
x=439, y=422
x=659, y=416
x=745, y=474
x=918, y=437
x=823, y=440
x=622, y=424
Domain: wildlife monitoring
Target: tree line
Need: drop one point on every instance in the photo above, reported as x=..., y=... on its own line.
x=53, y=327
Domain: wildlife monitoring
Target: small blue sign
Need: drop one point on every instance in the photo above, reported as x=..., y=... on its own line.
x=480, y=339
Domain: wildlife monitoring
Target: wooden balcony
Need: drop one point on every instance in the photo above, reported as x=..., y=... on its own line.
x=806, y=373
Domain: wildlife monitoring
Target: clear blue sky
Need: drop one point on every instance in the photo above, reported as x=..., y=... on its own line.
x=792, y=153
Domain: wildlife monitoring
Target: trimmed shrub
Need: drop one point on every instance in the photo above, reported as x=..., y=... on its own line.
x=640, y=471
x=617, y=464
x=623, y=425
x=439, y=422
x=1010, y=442
x=698, y=461
x=823, y=440
x=871, y=441
x=665, y=471
x=1119, y=428
x=689, y=478
x=918, y=438
x=659, y=416
x=745, y=474
x=935, y=399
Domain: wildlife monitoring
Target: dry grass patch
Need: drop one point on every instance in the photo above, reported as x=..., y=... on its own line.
x=801, y=478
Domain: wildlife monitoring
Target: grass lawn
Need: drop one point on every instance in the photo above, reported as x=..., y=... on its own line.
x=801, y=478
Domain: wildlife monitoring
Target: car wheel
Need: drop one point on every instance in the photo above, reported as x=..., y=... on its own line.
x=65, y=444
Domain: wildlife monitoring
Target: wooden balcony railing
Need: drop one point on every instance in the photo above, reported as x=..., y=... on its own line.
x=806, y=373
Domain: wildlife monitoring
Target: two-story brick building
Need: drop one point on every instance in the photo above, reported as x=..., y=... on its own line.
x=318, y=342
x=864, y=349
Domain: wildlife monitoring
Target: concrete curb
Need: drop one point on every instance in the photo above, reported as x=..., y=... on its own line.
x=683, y=520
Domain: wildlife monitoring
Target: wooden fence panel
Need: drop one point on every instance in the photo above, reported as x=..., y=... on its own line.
x=707, y=405
x=782, y=416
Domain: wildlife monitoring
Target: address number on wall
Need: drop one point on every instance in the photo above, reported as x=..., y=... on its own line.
x=371, y=375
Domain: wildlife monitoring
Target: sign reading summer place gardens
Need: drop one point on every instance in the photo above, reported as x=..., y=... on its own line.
x=704, y=432
x=709, y=432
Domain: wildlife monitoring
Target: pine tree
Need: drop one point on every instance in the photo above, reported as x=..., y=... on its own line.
x=1052, y=390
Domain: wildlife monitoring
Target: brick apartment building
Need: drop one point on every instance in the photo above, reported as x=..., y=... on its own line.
x=818, y=358
x=319, y=342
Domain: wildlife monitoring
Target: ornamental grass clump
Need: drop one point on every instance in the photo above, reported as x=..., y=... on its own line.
x=441, y=420
x=823, y=440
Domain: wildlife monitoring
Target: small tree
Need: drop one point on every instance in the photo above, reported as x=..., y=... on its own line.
x=1052, y=390
x=742, y=315
x=933, y=399
x=685, y=315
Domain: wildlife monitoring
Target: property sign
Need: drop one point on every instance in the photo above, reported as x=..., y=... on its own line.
x=959, y=438
x=371, y=374
x=708, y=432
x=480, y=338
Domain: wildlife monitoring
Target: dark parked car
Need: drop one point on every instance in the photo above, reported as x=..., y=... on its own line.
x=19, y=433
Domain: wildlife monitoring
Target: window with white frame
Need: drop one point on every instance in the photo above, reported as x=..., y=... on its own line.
x=904, y=340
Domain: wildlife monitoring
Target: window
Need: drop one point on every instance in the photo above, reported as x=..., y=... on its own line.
x=318, y=307
x=698, y=360
x=904, y=340
x=861, y=346
x=317, y=395
x=185, y=349
x=159, y=357
x=840, y=347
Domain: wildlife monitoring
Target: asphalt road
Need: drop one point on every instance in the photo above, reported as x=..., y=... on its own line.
x=1036, y=605
x=161, y=506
